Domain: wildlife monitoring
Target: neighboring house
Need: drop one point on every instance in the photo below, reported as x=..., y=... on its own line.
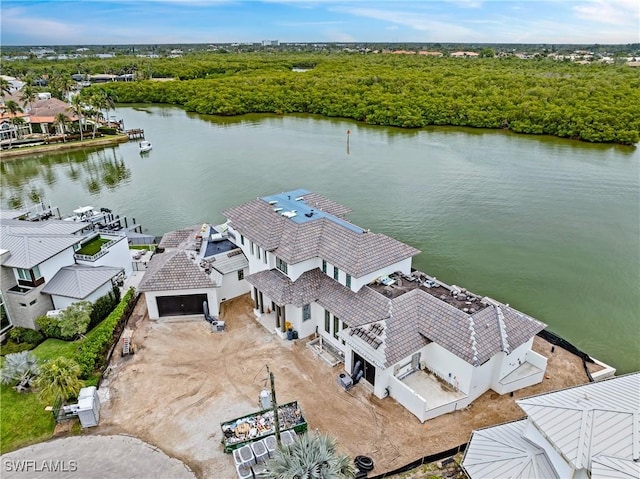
x=81, y=283
x=433, y=347
x=589, y=431
x=198, y=264
x=42, y=268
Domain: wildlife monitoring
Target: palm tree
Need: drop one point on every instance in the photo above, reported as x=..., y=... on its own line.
x=78, y=109
x=20, y=369
x=28, y=96
x=310, y=456
x=5, y=86
x=59, y=378
x=62, y=121
x=109, y=102
x=12, y=107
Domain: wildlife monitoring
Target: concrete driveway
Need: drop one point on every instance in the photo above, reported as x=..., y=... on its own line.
x=97, y=457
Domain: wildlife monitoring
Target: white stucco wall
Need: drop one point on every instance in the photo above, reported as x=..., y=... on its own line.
x=295, y=270
x=61, y=302
x=443, y=362
x=231, y=287
x=512, y=361
x=152, y=306
x=403, y=266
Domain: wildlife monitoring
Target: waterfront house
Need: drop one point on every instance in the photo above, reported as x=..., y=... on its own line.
x=192, y=266
x=433, y=347
x=588, y=431
x=46, y=265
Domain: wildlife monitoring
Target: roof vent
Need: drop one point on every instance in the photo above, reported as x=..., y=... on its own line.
x=309, y=214
x=300, y=198
x=277, y=209
x=273, y=202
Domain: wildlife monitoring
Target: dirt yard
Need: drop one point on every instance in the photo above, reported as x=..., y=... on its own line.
x=184, y=381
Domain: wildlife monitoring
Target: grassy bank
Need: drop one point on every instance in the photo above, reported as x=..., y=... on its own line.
x=71, y=145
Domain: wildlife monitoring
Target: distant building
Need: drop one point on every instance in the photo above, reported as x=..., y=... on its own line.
x=270, y=43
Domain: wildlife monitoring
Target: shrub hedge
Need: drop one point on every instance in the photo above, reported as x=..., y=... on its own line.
x=92, y=352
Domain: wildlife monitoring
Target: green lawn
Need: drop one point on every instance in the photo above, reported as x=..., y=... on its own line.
x=92, y=247
x=23, y=420
x=52, y=348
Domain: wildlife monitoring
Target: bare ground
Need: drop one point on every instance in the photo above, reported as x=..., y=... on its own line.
x=184, y=381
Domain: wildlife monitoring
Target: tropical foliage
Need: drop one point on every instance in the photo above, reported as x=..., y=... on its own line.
x=310, y=457
x=70, y=324
x=20, y=370
x=595, y=102
x=59, y=378
x=598, y=103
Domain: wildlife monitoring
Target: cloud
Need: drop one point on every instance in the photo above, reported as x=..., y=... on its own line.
x=304, y=24
x=16, y=21
x=437, y=29
x=466, y=3
x=614, y=12
x=338, y=36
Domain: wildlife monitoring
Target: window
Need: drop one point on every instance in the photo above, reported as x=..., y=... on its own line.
x=327, y=321
x=31, y=276
x=242, y=240
x=336, y=272
x=324, y=266
x=33, y=302
x=264, y=257
x=259, y=252
x=240, y=275
x=24, y=274
x=348, y=281
x=336, y=326
x=306, y=312
x=23, y=305
x=281, y=265
x=36, y=272
x=252, y=247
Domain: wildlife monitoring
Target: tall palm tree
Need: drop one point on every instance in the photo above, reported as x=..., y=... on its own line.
x=62, y=121
x=28, y=96
x=12, y=107
x=77, y=108
x=310, y=456
x=109, y=102
x=20, y=369
x=59, y=378
x=5, y=86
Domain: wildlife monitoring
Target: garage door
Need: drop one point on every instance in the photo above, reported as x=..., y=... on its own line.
x=180, y=305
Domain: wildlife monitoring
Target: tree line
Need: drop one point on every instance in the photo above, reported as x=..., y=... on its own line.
x=596, y=103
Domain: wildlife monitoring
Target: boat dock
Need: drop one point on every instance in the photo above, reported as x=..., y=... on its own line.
x=135, y=134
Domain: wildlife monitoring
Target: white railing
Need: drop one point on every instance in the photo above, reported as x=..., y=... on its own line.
x=104, y=249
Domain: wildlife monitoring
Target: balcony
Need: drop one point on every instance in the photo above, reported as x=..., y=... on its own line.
x=96, y=248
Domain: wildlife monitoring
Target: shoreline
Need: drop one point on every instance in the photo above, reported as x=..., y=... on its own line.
x=59, y=147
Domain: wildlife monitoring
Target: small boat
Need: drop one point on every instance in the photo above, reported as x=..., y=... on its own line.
x=145, y=146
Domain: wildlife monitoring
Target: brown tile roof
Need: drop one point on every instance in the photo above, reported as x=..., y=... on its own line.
x=174, y=270
x=357, y=254
x=179, y=238
x=412, y=320
x=45, y=111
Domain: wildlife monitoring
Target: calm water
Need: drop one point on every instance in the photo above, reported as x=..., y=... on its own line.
x=550, y=226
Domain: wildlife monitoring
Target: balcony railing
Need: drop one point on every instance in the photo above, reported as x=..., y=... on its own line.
x=104, y=249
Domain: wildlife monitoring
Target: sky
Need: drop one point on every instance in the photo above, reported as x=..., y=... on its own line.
x=91, y=22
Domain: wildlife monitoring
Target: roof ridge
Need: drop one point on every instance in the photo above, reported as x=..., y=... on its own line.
x=502, y=327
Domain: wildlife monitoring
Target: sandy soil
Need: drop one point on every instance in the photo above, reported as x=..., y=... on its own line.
x=184, y=381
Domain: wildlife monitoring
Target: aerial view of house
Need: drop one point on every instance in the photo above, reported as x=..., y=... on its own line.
x=313, y=272
x=48, y=265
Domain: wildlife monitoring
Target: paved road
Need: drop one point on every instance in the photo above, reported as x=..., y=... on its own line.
x=96, y=457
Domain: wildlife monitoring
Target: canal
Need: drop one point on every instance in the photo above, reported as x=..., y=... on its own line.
x=549, y=226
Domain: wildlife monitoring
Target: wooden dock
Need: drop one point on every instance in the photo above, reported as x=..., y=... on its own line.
x=135, y=134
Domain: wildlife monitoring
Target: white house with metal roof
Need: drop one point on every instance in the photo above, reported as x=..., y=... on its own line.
x=192, y=266
x=433, y=347
x=588, y=431
x=34, y=266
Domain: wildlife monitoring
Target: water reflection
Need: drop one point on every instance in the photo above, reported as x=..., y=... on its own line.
x=94, y=169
